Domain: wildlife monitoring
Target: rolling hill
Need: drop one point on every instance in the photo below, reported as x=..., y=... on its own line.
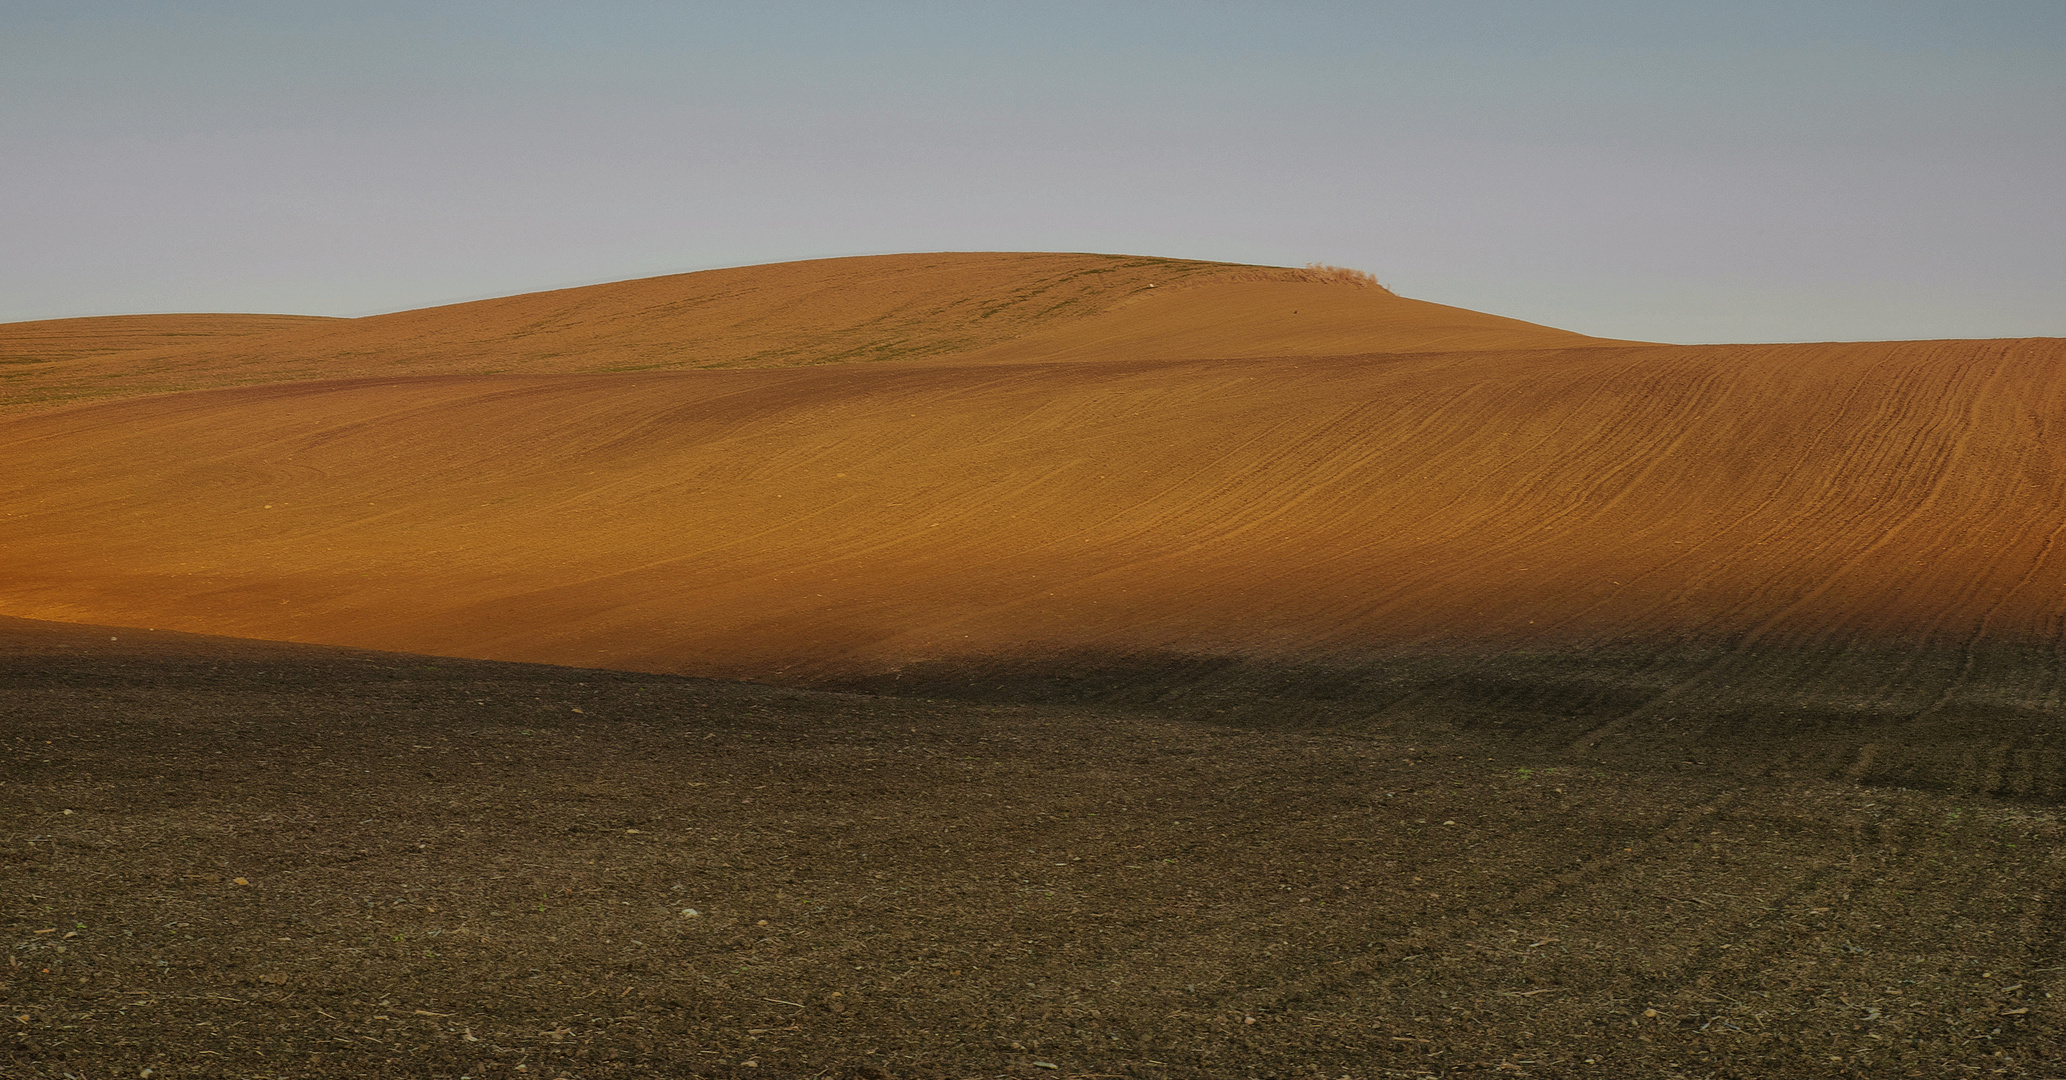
x=1182, y=669
x=1200, y=470
x=826, y=311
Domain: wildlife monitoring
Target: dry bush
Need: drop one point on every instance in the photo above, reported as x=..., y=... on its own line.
x=1317, y=273
x=1338, y=275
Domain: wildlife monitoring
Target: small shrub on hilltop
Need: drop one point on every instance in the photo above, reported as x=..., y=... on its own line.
x=1339, y=275
x=1317, y=273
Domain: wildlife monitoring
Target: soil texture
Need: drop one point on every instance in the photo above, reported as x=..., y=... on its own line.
x=224, y=858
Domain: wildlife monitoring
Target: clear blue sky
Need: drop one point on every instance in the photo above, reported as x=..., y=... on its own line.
x=1740, y=171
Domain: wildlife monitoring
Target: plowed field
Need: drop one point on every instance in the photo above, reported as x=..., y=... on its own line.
x=852, y=520
x=959, y=304
x=231, y=859
x=1184, y=670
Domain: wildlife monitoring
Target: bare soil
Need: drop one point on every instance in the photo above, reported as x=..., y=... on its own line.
x=820, y=311
x=852, y=519
x=223, y=858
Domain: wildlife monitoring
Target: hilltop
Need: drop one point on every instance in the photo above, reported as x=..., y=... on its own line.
x=825, y=311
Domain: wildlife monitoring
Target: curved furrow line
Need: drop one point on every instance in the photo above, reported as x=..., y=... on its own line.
x=1141, y=538
x=1806, y=458
x=1832, y=922
x=1520, y=499
x=1645, y=462
x=1315, y=487
x=1756, y=929
x=829, y=559
x=1836, y=513
x=1544, y=498
x=1382, y=955
x=1236, y=488
x=1969, y=649
x=1243, y=500
x=1124, y=527
x=1937, y=469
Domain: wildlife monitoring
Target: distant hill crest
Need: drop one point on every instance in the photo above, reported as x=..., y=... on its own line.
x=993, y=306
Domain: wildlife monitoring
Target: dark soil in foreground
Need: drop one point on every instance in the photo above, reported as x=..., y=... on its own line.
x=228, y=858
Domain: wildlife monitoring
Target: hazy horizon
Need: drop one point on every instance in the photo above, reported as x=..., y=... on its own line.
x=1664, y=172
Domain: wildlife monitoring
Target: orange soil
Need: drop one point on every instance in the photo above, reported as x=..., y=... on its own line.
x=69, y=339
x=824, y=311
x=44, y=361
x=1257, y=319
x=1087, y=486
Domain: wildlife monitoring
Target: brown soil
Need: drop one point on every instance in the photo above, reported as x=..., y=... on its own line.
x=237, y=859
x=825, y=311
x=1259, y=674
x=53, y=361
x=797, y=524
x=111, y=336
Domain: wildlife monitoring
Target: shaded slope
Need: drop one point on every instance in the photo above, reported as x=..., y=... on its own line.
x=818, y=312
x=350, y=860
x=841, y=521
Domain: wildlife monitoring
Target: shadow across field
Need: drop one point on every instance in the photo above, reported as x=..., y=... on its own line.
x=231, y=858
x=1972, y=721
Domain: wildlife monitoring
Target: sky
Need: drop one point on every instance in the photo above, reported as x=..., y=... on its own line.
x=1682, y=172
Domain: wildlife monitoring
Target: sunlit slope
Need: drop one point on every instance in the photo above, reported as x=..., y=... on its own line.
x=49, y=340
x=804, y=522
x=826, y=311
x=45, y=359
x=1275, y=318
